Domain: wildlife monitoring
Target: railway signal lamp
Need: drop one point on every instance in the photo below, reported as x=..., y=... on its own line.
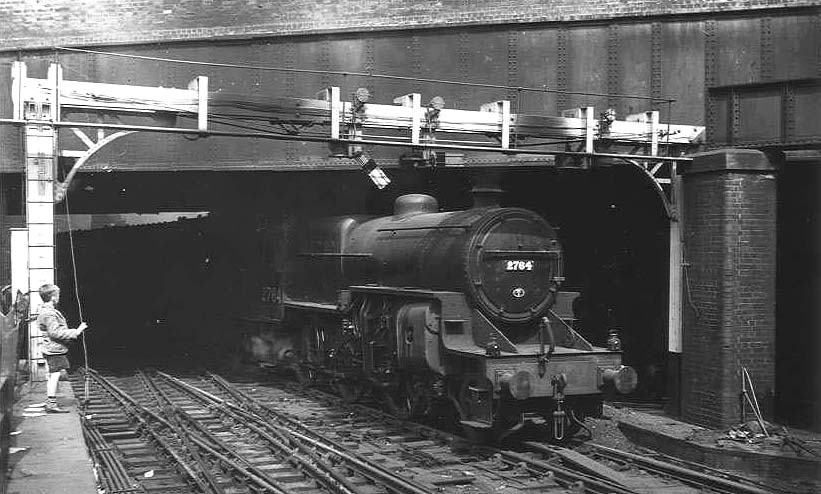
x=372, y=170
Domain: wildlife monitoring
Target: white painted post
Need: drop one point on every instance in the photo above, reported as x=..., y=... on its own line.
x=18, y=75
x=654, y=132
x=41, y=165
x=502, y=108
x=589, y=129
x=414, y=102
x=505, y=124
x=200, y=85
x=336, y=111
x=674, y=327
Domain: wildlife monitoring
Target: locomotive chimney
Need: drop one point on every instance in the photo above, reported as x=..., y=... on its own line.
x=486, y=190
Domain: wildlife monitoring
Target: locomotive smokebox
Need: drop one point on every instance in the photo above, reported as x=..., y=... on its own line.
x=410, y=204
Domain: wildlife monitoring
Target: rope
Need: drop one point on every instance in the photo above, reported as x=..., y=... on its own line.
x=79, y=304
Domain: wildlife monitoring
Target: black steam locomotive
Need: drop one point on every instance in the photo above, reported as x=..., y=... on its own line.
x=429, y=308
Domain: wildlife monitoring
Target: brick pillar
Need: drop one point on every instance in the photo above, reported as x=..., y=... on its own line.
x=729, y=214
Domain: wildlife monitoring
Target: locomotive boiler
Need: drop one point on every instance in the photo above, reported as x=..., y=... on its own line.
x=433, y=311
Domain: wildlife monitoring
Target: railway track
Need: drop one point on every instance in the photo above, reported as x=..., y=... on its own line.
x=153, y=432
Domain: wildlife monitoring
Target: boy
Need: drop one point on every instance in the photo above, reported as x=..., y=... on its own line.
x=56, y=334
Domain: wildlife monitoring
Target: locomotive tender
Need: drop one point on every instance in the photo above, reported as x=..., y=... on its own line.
x=430, y=308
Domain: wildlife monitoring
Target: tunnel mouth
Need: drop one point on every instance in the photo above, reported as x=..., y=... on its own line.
x=197, y=288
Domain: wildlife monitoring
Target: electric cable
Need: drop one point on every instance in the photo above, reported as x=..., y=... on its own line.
x=542, y=89
x=86, y=375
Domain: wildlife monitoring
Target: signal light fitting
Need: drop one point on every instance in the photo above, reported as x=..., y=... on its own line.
x=369, y=166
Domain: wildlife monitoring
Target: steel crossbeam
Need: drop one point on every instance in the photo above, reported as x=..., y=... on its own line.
x=494, y=121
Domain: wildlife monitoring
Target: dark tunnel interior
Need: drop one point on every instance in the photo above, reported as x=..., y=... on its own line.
x=172, y=292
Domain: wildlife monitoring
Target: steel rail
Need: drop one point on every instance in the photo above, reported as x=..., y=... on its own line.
x=426, y=432
x=592, y=484
x=705, y=469
x=355, y=462
x=685, y=475
x=260, y=479
x=565, y=475
x=170, y=409
x=314, y=464
x=137, y=410
x=113, y=476
x=370, y=142
x=225, y=447
x=352, y=460
x=317, y=466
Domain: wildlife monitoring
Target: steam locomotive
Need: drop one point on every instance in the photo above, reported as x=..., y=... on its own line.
x=431, y=310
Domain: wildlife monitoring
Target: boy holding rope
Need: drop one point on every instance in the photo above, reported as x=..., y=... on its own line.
x=56, y=334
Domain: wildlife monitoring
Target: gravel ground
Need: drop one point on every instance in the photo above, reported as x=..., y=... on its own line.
x=605, y=430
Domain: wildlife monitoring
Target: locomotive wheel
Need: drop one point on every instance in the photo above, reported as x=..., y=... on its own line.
x=407, y=401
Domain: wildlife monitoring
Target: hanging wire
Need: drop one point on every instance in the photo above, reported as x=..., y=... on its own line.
x=86, y=375
x=351, y=73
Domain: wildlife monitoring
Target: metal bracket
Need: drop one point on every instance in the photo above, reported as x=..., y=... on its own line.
x=414, y=102
x=60, y=189
x=200, y=85
x=502, y=108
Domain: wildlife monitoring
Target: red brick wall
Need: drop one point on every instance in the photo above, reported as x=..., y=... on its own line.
x=729, y=319
x=44, y=23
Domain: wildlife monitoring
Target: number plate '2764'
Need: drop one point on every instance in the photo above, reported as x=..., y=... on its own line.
x=519, y=265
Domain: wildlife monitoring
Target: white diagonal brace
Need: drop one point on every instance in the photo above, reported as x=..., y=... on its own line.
x=83, y=137
x=60, y=189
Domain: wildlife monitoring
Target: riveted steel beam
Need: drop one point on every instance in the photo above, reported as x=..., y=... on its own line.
x=766, y=49
x=774, y=114
x=464, y=68
x=710, y=48
x=656, y=63
x=562, y=69
x=613, y=65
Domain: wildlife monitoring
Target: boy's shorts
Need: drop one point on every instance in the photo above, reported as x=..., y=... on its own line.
x=56, y=363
